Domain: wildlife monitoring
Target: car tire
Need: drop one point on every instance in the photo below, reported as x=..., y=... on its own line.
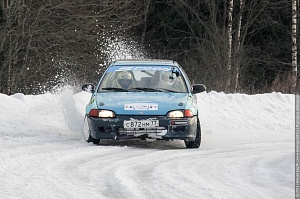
x=96, y=141
x=87, y=133
x=196, y=143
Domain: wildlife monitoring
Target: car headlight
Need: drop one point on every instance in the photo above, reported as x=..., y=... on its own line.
x=180, y=113
x=101, y=113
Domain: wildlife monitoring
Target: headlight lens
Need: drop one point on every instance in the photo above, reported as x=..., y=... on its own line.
x=175, y=114
x=106, y=113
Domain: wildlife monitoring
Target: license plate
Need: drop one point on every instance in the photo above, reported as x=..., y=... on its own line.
x=141, y=123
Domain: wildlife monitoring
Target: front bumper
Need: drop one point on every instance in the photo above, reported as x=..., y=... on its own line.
x=169, y=129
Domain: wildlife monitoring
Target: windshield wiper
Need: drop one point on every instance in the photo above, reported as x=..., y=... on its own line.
x=139, y=89
x=115, y=89
x=168, y=90
x=147, y=89
x=155, y=90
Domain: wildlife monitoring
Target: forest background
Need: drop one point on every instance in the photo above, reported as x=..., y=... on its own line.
x=246, y=46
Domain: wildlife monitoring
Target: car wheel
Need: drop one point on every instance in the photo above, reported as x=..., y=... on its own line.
x=196, y=143
x=87, y=133
x=96, y=141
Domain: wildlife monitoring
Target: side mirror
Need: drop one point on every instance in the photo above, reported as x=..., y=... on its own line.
x=198, y=88
x=88, y=88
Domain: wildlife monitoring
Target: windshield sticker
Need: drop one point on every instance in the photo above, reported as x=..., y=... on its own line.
x=141, y=106
x=141, y=68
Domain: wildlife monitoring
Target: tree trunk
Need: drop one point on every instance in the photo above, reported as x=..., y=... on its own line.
x=238, y=50
x=9, y=57
x=294, y=45
x=145, y=21
x=229, y=40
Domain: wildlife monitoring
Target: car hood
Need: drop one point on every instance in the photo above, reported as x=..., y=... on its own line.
x=141, y=103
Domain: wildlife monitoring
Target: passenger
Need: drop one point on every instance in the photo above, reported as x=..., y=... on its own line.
x=166, y=81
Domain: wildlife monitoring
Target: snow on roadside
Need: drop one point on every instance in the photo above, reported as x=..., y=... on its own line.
x=224, y=117
x=38, y=115
x=228, y=119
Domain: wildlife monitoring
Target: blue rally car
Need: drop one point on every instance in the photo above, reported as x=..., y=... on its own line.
x=143, y=99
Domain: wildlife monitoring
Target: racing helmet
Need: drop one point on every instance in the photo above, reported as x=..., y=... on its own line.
x=125, y=79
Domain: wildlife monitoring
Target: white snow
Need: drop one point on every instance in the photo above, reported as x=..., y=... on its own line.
x=247, y=151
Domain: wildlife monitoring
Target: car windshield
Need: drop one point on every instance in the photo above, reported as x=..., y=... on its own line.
x=143, y=79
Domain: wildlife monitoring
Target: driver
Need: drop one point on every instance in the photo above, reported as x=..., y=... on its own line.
x=125, y=79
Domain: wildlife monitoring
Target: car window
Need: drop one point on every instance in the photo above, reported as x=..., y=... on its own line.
x=187, y=79
x=143, y=78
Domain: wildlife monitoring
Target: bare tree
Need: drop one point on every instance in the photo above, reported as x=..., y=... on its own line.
x=224, y=29
x=294, y=45
x=146, y=7
x=238, y=50
x=13, y=41
x=41, y=41
x=217, y=42
x=229, y=43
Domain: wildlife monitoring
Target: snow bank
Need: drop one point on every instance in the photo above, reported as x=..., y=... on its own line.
x=34, y=115
x=220, y=113
x=235, y=118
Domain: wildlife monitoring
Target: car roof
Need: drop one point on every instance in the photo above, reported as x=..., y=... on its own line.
x=151, y=62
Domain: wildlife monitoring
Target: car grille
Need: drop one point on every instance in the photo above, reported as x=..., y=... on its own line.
x=141, y=130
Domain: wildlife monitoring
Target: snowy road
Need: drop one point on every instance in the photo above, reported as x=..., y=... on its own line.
x=247, y=151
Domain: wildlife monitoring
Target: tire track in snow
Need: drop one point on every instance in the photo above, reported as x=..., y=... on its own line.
x=74, y=169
